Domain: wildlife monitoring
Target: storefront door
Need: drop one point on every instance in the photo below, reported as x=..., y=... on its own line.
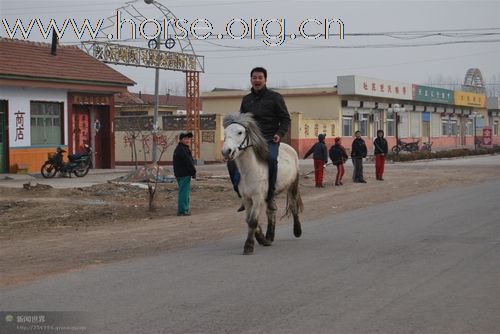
x=3, y=136
x=81, y=129
x=101, y=135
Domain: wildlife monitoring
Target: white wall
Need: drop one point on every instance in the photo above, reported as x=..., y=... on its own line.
x=19, y=100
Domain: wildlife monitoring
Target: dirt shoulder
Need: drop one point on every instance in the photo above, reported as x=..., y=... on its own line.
x=49, y=231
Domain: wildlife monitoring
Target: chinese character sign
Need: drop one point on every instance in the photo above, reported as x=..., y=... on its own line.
x=470, y=99
x=357, y=85
x=487, y=133
x=432, y=94
x=19, y=119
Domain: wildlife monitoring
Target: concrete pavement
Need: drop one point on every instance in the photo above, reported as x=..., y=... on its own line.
x=425, y=264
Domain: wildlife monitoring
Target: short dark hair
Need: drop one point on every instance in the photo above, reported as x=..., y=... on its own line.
x=357, y=132
x=259, y=69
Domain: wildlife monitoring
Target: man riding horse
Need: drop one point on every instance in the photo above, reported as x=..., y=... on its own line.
x=271, y=114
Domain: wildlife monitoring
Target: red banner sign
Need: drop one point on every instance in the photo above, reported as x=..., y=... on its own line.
x=487, y=134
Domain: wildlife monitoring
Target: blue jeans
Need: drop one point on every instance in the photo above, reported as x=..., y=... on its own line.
x=184, y=192
x=273, y=167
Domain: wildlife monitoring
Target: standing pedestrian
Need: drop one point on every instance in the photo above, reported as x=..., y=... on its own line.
x=380, y=150
x=339, y=156
x=271, y=114
x=358, y=152
x=184, y=170
x=320, y=156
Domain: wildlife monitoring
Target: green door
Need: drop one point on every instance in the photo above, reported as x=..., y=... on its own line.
x=3, y=137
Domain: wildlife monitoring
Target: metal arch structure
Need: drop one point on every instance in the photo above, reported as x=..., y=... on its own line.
x=473, y=81
x=186, y=60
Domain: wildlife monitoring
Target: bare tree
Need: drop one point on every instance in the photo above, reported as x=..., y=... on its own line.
x=133, y=131
x=163, y=143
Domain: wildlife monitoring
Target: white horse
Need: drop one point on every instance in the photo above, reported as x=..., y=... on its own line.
x=244, y=143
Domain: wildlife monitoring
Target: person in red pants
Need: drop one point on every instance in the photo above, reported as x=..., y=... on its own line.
x=339, y=156
x=380, y=151
x=320, y=156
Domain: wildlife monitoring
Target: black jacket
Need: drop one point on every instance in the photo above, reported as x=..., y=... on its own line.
x=358, y=148
x=269, y=110
x=183, y=161
x=319, y=151
x=380, y=145
x=338, y=155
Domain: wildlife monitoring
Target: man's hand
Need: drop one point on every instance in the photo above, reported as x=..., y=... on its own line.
x=276, y=138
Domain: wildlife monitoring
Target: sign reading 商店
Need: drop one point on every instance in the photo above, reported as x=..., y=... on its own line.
x=356, y=85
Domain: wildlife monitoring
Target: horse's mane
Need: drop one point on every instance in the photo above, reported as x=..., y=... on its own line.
x=255, y=136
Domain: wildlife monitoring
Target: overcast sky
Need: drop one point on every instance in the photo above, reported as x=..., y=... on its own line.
x=446, y=27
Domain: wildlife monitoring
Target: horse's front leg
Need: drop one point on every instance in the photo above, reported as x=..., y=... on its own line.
x=252, y=221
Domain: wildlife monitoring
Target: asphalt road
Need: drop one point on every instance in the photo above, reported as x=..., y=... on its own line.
x=426, y=264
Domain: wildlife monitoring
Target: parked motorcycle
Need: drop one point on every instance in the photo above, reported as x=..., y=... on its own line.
x=79, y=164
x=408, y=147
x=426, y=147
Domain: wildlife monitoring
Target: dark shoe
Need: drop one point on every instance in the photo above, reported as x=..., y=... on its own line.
x=341, y=183
x=271, y=205
x=381, y=179
x=184, y=214
x=241, y=208
x=337, y=184
x=362, y=181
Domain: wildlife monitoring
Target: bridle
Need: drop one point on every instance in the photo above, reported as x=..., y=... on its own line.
x=246, y=140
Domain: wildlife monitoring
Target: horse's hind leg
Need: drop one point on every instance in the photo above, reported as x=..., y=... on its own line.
x=271, y=224
x=295, y=205
x=297, y=229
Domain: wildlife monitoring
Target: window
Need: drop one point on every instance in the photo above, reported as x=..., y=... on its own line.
x=453, y=128
x=390, y=124
x=46, y=123
x=445, y=127
x=347, y=126
x=468, y=128
x=363, y=127
x=495, y=128
x=449, y=127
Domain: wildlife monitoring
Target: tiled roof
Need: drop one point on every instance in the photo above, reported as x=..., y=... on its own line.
x=34, y=60
x=140, y=98
x=127, y=98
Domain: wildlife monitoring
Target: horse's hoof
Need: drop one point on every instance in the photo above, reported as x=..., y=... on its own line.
x=297, y=230
x=247, y=251
x=248, y=248
x=270, y=237
x=262, y=240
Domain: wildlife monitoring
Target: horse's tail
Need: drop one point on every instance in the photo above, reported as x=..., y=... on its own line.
x=294, y=204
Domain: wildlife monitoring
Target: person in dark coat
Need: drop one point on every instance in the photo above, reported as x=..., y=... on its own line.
x=339, y=156
x=358, y=152
x=184, y=170
x=380, y=150
x=271, y=114
x=320, y=156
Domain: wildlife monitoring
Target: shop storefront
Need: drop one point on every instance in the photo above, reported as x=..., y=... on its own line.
x=410, y=112
x=67, y=103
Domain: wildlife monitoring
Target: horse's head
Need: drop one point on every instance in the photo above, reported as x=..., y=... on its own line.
x=235, y=140
x=241, y=132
